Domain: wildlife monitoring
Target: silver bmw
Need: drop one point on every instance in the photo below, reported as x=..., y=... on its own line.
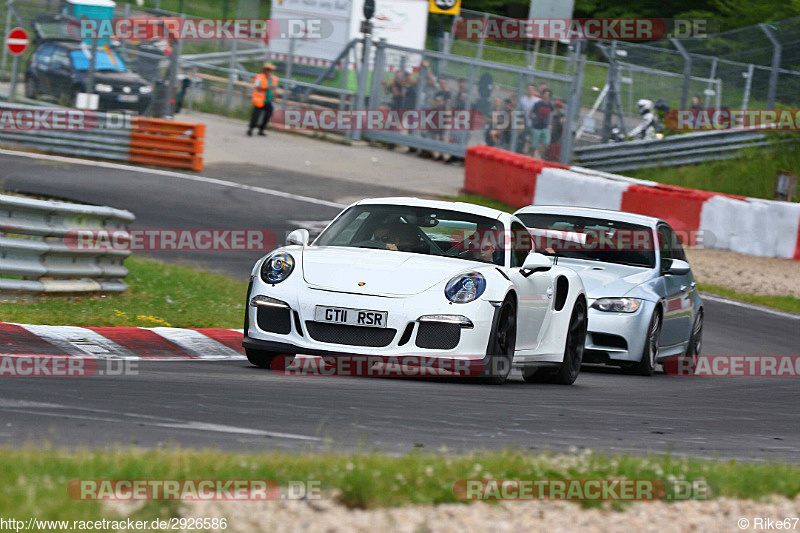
x=643, y=301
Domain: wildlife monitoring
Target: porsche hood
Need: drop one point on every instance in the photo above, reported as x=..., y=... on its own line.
x=377, y=272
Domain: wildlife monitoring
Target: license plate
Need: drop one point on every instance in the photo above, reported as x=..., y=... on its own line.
x=351, y=317
x=128, y=97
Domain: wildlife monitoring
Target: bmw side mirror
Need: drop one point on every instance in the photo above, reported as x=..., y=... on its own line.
x=298, y=236
x=535, y=262
x=678, y=267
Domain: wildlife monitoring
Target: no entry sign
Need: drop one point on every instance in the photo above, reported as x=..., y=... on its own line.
x=17, y=41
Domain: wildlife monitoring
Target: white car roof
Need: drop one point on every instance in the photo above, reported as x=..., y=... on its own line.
x=464, y=207
x=620, y=216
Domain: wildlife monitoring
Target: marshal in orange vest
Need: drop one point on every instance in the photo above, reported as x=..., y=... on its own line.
x=263, y=83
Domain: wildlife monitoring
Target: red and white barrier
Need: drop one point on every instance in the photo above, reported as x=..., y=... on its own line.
x=728, y=222
x=121, y=342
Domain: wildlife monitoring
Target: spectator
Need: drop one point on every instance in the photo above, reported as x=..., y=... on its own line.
x=542, y=88
x=444, y=93
x=499, y=133
x=461, y=101
x=410, y=99
x=526, y=104
x=554, y=149
x=696, y=102
x=541, y=118
x=397, y=90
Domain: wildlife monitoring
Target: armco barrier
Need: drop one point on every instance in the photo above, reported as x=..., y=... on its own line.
x=117, y=137
x=695, y=147
x=745, y=225
x=35, y=259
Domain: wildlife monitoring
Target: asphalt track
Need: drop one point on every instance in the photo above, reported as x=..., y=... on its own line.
x=231, y=405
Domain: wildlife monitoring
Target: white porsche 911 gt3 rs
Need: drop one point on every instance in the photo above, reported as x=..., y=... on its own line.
x=398, y=277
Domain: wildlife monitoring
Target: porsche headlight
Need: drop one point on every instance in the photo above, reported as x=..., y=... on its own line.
x=617, y=305
x=465, y=288
x=277, y=267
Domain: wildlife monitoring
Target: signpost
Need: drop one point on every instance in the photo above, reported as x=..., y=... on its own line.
x=16, y=43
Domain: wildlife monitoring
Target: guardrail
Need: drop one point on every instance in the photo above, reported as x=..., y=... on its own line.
x=114, y=136
x=34, y=255
x=683, y=149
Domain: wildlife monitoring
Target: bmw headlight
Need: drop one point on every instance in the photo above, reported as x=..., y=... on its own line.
x=617, y=305
x=465, y=288
x=145, y=89
x=103, y=88
x=277, y=267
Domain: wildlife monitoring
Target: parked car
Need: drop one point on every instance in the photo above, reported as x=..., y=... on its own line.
x=392, y=277
x=60, y=68
x=643, y=301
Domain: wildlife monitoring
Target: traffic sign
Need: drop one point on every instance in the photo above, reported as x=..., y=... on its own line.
x=17, y=41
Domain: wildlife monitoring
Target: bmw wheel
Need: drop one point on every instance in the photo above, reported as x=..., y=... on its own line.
x=647, y=365
x=695, y=341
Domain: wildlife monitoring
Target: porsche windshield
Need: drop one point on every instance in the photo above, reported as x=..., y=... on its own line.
x=594, y=239
x=419, y=230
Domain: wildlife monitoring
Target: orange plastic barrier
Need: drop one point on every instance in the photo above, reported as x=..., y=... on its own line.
x=169, y=143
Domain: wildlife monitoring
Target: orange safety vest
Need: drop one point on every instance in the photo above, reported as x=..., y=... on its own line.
x=260, y=87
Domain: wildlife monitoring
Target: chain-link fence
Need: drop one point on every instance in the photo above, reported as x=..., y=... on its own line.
x=406, y=79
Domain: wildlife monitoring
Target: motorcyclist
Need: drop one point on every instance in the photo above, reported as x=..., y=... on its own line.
x=646, y=129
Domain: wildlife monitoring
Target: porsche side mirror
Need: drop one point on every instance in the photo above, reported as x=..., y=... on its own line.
x=679, y=268
x=535, y=262
x=298, y=236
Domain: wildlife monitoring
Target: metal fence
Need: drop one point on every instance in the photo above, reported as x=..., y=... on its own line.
x=434, y=80
x=36, y=258
x=684, y=149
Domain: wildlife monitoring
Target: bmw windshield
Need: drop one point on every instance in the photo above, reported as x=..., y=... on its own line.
x=420, y=230
x=592, y=239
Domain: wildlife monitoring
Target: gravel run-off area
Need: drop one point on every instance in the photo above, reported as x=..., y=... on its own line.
x=746, y=273
x=716, y=515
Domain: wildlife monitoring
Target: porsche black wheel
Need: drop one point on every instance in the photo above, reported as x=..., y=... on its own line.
x=500, y=351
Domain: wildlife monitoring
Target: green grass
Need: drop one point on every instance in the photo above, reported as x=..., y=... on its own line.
x=784, y=303
x=752, y=174
x=34, y=482
x=199, y=300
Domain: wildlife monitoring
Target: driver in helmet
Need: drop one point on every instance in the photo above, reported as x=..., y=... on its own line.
x=646, y=129
x=398, y=237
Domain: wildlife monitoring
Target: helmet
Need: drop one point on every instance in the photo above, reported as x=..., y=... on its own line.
x=645, y=106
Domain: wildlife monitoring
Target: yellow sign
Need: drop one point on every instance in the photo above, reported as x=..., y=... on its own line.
x=446, y=7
